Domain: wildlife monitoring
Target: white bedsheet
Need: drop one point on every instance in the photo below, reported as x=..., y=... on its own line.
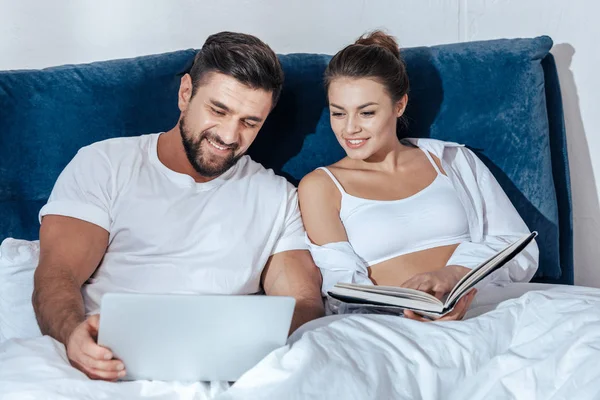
x=543, y=345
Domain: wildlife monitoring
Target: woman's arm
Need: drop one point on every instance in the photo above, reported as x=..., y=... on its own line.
x=499, y=222
x=320, y=203
x=326, y=236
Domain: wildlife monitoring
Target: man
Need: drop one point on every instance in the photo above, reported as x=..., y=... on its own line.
x=183, y=211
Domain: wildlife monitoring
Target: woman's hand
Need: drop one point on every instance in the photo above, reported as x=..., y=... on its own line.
x=461, y=308
x=439, y=283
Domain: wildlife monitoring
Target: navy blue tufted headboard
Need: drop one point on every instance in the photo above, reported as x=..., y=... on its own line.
x=501, y=98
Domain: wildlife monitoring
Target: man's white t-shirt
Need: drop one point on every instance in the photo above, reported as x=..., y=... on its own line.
x=170, y=234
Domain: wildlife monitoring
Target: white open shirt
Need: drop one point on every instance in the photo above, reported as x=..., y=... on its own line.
x=494, y=223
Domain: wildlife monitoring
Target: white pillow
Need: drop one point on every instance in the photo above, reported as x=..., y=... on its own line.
x=18, y=260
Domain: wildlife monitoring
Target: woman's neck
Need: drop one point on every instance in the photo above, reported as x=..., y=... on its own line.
x=390, y=158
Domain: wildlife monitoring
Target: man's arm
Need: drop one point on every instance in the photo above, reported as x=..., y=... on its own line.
x=293, y=273
x=70, y=251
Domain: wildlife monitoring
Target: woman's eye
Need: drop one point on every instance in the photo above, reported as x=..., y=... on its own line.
x=337, y=114
x=368, y=113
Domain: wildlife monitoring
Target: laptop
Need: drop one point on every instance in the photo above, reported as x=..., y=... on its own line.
x=175, y=337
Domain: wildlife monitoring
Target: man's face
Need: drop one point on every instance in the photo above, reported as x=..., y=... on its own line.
x=220, y=121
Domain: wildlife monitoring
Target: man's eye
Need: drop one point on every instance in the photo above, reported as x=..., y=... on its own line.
x=250, y=124
x=218, y=112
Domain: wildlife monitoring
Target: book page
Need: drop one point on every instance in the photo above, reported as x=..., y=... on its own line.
x=359, y=296
x=395, y=291
x=487, y=267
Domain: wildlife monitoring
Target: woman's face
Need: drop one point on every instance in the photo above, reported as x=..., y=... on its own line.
x=363, y=116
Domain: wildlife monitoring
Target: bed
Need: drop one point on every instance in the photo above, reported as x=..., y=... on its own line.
x=501, y=98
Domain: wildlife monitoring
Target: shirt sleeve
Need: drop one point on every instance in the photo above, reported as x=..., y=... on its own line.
x=502, y=225
x=83, y=189
x=338, y=263
x=292, y=236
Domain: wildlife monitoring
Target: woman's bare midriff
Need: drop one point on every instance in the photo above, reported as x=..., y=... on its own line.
x=396, y=271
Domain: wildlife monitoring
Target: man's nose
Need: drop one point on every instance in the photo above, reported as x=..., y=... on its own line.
x=229, y=132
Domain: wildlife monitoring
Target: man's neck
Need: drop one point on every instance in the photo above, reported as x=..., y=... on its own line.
x=171, y=153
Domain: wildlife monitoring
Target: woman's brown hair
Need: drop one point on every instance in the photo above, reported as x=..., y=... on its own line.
x=376, y=56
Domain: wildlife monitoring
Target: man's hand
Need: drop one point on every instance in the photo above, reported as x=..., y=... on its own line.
x=461, y=308
x=84, y=353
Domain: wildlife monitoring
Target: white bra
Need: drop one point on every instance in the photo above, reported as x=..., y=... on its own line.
x=379, y=230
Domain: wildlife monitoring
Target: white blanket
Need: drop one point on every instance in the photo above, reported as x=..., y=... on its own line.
x=543, y=345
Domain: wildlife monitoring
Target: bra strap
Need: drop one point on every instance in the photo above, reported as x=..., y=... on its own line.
x=333, y=178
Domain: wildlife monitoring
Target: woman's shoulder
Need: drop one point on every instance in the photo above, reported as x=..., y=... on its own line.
x=323, y=181
x=322, y=173
x=318, y=179
x=312, y=179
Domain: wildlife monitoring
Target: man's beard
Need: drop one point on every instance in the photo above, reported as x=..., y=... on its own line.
x=205, y=163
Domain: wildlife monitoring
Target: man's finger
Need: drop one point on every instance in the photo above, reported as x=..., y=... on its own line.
x=91, y=349
x=104, y=375
x=78, y=365
x=103, y=365
x=94, y=321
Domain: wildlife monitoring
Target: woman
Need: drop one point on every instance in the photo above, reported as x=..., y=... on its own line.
x=417, y=213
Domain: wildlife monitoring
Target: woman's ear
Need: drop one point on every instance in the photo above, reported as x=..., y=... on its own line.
x=185, y=92
x=401, y=105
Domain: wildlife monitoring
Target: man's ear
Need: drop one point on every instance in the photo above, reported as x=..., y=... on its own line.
x=401, y=105
x=185, y=92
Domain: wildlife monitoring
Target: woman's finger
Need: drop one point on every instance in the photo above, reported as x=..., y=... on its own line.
x=412, y=283
x=414, y=316
x=462, y=306
x=451, y=316
x=428, y=287
x=417, y=280
x=439, y=295
x=455, y=314
x=468, y=302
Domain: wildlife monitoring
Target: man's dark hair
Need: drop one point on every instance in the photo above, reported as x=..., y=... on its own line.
x=243, y=57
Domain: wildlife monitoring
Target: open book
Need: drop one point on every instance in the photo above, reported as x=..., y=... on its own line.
x=421, y=302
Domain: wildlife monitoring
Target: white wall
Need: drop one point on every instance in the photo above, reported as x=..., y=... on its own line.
x=575, y=30
x=37, y=34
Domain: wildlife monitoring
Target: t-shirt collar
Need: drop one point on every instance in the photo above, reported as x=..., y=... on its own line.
x=184, y=179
